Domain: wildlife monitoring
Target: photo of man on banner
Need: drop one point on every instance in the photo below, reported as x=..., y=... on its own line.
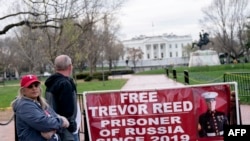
x=212, y=121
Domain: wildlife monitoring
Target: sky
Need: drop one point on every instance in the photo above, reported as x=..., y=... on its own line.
x=156, y=17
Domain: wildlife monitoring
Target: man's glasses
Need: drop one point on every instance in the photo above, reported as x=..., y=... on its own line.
x=33, y=85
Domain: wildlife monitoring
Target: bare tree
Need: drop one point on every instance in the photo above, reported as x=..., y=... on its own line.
x=118, y=49
x=111, y=45
x=11, y=61
x=67, y=27
x=50, y=14
x=41, y=14
x=5, y=54
x=29, y=48
x=134, y=55
x=225, y=19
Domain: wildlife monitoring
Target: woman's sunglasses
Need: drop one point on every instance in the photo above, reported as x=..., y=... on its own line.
x=33, y=85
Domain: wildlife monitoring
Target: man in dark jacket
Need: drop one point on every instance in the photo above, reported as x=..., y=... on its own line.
x=61, y=95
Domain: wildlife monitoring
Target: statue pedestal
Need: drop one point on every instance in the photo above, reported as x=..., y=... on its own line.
x=204, y=58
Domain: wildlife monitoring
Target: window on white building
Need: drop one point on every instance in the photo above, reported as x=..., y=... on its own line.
x=148, y=56
x=155, y=46
x=176, y=54
x=176, y=45
x=162, y=55
x=148, y=47
x=162, y=46
x=170, y=54
x=170, y=45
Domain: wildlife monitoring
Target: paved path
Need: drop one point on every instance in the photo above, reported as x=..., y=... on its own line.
x=150, y=82
x=161, y=81
x=245, y=114
x=7, y=132
x=134, y=82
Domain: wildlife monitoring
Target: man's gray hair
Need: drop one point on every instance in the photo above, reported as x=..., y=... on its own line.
x=62, y=62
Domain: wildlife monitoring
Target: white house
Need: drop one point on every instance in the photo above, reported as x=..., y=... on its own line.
x=163, y=50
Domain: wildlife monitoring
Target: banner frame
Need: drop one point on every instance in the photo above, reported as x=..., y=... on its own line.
x=85, y=93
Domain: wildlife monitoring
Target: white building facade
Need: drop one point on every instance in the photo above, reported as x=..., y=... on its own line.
x=164, y=50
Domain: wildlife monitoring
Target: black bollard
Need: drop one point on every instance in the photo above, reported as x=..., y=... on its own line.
x=174, y=74
x=86, y=133
x=16, y=137
x=167, y=72
x=186, y=77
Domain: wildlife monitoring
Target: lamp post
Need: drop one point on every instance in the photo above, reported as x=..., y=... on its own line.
x=103, y=83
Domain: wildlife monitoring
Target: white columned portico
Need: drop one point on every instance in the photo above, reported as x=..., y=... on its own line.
x=158, y=47
x=151, y=51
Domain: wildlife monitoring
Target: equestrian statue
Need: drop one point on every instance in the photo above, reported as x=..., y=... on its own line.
x=204, y=40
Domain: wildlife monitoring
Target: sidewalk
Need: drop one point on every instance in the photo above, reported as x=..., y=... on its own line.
x=134, y=82
x=7, y=132
x=150, y=82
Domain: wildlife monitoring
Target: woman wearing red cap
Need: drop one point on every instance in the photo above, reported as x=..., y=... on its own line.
x=35, y=120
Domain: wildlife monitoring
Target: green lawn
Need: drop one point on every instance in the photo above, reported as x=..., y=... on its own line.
x=212, y=74
x=9, y=91
x=197, y=75
x=203, y=74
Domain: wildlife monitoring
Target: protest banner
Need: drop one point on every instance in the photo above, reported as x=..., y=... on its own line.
x=171, y=114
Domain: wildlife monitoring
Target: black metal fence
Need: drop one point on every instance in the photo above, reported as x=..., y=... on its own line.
x=243, y=81
x=83, y=131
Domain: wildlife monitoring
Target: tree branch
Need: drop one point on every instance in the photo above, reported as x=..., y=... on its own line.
x=20, y=13
x=32, y=25
x=8, y=27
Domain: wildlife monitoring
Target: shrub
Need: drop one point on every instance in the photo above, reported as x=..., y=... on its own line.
x=81, y=76
x=121, y=72
x=101, y=78
x=88, y=78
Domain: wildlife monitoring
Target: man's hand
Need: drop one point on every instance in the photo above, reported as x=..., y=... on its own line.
x=65, y=122
x=48, y=135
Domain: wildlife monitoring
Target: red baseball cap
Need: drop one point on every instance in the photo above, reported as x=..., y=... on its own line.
x=28, y=79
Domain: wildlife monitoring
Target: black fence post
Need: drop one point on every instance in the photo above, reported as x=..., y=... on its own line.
x=240, y=113
x=86, y=133
x=186, y=77
x=174, y=74
x=167, y=72
x=16, y=137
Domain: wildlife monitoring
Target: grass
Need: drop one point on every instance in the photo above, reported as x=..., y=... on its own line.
x=9, y=91
x=7, y=94
x=211, y=74
x=114, y=84
x=206, y=76
x=197, y=75
x=202, y=74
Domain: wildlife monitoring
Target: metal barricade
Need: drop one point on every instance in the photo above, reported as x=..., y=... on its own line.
x=83, y=127
x=243, y=80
